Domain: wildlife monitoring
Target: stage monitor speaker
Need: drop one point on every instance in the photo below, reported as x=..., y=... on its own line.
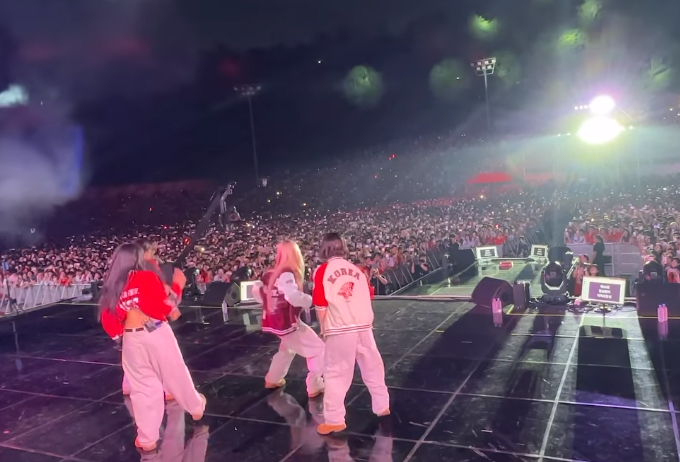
x=220, y=292
x=490, y=288
x=96, y=290
x=521, y=295
x=649, y=295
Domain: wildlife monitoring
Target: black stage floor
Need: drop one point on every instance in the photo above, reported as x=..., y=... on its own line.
x=549, y=386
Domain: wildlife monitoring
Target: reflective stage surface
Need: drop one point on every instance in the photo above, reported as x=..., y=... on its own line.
x=549, y=386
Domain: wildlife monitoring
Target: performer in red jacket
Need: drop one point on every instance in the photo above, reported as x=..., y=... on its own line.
x=135, y=305
x=280, y=293
x=151, y=264
x=342, y=296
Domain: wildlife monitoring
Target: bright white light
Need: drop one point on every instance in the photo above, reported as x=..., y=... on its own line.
x=602, y=105
x=15, y=95
x=599, y=130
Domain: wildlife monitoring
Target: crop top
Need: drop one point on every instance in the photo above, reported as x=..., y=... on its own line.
x=143, y=291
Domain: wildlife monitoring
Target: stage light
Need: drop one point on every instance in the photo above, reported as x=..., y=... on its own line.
x=652, y=271
x=556, y=274
x=601, y=105
x=599, y=130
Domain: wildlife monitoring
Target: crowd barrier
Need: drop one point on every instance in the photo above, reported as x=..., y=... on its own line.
x=626, y=259
x=400, y=277
x=35, y=296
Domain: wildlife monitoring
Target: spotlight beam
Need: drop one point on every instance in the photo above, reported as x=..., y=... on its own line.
x=601, y=105
x=599, y=130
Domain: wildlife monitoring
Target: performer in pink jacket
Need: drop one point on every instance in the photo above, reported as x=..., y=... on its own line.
x=342, y=295
x=280, y=293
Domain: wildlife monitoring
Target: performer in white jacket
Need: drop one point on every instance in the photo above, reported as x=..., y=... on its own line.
x=280, y=293
x=342, y=296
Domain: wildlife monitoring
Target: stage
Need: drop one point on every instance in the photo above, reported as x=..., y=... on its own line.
x=548, y=386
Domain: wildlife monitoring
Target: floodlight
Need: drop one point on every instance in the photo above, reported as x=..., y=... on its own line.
x=601, y=105
x=599, y=130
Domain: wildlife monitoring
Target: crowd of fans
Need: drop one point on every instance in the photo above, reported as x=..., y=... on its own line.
x=391, y=212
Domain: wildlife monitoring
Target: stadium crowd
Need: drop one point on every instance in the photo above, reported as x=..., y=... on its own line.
x=391, y=211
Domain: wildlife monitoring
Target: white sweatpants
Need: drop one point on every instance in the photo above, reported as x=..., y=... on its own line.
x=342, y=351
x=153, y=362
x=303, y=342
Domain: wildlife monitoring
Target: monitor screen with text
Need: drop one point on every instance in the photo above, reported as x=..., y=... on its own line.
x=486, y=252
x=604, y=290
x=539, y=251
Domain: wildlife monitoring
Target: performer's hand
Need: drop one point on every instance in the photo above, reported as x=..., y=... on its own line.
x=174, y=315
x=179, y=278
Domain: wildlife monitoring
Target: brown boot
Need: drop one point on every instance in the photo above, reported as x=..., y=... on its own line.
x=316, y=394
x=149, y=448
x=327, y=429
x=274, y=386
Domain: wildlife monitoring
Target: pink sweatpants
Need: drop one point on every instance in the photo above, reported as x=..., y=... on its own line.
x=126, y=386
x=153, y=362
x=342, y=351
x=303, y=342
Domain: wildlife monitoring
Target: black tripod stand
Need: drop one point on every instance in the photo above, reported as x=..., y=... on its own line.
x=13, y=307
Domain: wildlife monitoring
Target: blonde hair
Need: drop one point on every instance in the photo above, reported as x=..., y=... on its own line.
x=288, y=258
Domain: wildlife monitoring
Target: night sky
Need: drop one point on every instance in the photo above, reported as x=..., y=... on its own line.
x=242, y=25
x=151, y=82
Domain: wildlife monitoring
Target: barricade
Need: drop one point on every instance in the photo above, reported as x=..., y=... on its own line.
x=625, y=258
x=26, y=298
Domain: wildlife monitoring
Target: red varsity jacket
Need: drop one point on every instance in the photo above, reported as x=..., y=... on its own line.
x=287, y=301
x=145, y=291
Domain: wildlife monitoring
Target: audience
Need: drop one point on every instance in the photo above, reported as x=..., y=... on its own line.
x=391, y=211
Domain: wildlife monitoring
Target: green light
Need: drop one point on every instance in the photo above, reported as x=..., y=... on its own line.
x=658, y=75
x=589, y=11
x=363, y=86
x=482, y=28
x=571, y=39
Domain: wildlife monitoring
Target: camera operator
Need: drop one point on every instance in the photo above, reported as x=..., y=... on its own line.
x=451, y=250
x=421, y=269
x=375, y=278
x=522, y=248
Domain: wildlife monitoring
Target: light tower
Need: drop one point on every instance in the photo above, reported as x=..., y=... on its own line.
x=250, y=91
x=484, y=68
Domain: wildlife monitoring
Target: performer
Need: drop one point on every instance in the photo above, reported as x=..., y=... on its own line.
x=134, y=304
x=280, y=293
x=151, y=264
x=342, y=296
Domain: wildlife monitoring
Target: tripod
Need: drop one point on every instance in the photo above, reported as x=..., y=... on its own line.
x=13, y=307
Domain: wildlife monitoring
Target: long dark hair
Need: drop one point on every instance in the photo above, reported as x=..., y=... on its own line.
x=126, y=258
x=332, y=245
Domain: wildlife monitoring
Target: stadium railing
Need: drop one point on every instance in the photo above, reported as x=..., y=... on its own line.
x=35, y=296
x=400, y=277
